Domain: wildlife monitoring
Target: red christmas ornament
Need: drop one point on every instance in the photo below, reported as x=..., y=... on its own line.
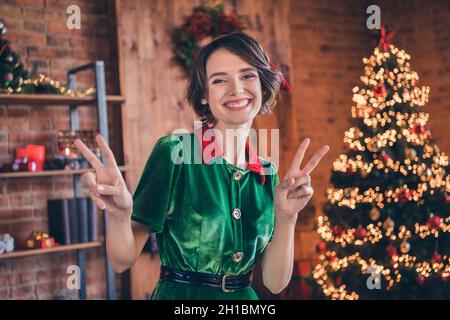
x=384, y=156
x=385, y=39
x=379, y=90
x=419, y=129
x=337, y=231
x=434, y=221
x=321, y=247
x=420, y=279
x=391, y=251
x=436, y=257
x=404, y=195
x=360, y=233
x=9, y=77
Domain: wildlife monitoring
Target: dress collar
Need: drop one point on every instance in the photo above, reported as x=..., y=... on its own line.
x=253, y=162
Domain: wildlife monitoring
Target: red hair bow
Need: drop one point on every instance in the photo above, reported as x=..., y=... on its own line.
x=284, y=84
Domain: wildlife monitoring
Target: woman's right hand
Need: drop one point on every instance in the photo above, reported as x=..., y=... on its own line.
x=107, y=186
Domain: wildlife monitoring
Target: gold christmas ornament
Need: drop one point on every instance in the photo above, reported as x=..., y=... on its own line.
x=410, y=153
x=405, y=247
x=388, y=224
x=374, y=214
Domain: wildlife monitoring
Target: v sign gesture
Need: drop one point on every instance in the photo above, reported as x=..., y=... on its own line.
x=294, y=190
x=291, y=196
x=107, y=186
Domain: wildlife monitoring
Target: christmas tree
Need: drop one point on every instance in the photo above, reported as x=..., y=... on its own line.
x=385, y=228
x=14, y=78
x=12, y=72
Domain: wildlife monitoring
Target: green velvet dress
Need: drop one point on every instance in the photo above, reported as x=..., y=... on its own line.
x=191, y=205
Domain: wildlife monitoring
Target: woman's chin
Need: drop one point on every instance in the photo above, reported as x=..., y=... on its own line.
x=240, y=119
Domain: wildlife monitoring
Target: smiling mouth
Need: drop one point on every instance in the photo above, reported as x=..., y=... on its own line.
x=238, y=104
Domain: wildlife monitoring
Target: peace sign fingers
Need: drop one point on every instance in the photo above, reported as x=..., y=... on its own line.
x=314, y=161
x=110, y=161
x=298, y=158
x=89, y=155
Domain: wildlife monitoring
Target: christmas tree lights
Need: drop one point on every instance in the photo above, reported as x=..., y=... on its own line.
x=388, y=209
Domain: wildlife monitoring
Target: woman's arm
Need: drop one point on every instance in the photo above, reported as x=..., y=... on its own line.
x=278, y=258
x=291, y=196
x=125, y=238
x=124, y=242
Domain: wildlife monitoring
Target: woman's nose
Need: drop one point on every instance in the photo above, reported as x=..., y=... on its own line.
x=237, y=86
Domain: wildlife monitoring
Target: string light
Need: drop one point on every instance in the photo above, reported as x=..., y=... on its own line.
x=391, y=275
x=350, y=197
x=43, y=80
x=374, y=232
x=389, y=100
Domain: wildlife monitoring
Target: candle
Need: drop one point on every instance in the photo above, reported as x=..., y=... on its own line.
x=36, y=157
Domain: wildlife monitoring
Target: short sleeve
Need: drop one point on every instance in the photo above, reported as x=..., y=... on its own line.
x=155, y=188
x=275, y=181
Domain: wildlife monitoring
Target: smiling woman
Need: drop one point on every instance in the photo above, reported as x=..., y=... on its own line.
x=213, y=220
x=235, y=61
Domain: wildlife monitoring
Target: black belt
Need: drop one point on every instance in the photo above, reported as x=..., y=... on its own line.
x=227, y=282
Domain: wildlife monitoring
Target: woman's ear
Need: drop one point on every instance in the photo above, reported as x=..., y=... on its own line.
x=203, y=101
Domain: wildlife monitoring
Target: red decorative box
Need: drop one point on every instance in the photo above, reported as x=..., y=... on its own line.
x=40, y=240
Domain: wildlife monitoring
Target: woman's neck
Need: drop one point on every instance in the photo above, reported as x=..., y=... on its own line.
x=233, y=139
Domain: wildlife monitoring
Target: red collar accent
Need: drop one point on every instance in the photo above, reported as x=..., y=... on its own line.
x=214, y=150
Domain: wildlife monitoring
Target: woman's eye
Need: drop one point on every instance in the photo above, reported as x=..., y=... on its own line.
x=246, y=76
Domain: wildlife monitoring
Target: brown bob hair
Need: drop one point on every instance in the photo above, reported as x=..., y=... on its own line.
x=247, y=49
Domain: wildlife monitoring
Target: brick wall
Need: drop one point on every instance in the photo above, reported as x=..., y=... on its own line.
x=327, y=50
x=38, y=33
x=328, y=43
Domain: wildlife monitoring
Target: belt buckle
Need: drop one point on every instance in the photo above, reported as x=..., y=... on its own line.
x=223, y=283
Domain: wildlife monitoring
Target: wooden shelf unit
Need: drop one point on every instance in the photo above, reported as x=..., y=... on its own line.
x=33, y=252
x=48, y=173
x=54, y=99
x=100, y=101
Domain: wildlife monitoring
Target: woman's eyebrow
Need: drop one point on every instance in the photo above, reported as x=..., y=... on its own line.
x=224, y=73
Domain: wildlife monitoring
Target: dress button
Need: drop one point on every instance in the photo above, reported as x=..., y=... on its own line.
x=237, y=175
x=236, y=213
x=237, y=257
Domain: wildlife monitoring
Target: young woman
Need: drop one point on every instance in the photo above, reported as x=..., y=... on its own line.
x=215, y=219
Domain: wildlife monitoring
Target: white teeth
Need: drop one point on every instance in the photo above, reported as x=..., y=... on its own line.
x=241, y=103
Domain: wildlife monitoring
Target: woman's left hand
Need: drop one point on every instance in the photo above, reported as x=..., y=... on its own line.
x=294, y=190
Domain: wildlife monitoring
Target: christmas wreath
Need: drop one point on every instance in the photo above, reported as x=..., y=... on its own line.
x=206, y=23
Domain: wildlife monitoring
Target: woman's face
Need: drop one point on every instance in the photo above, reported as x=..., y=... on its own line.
x=234, y=89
